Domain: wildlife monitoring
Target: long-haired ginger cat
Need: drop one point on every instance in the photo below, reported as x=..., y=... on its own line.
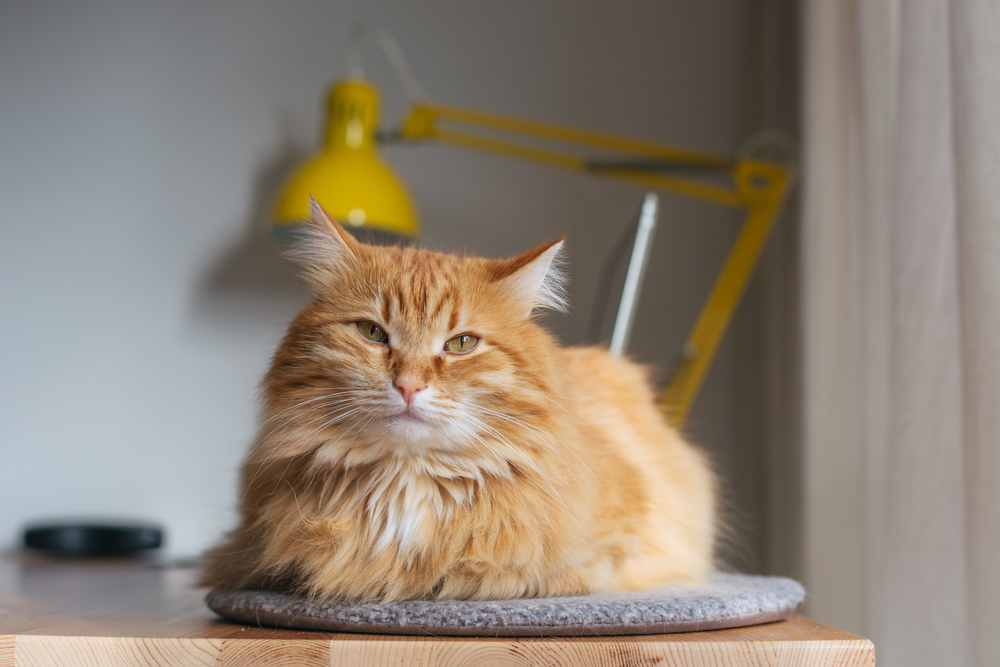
x=425, y=437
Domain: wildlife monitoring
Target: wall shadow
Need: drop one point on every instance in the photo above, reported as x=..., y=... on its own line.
x=250, y=283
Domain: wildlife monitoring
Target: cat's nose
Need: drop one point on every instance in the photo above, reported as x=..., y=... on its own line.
x=408, y=386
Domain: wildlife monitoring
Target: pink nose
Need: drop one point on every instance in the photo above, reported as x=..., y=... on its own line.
x=408, y=386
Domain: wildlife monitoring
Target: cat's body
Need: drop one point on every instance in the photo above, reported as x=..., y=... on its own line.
x=466, y=454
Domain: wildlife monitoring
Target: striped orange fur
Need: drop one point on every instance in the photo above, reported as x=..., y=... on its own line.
x=397, y=469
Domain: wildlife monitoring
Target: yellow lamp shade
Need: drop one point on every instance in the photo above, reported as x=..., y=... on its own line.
x=348, y=178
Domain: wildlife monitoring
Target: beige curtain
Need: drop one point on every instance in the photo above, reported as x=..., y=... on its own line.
x=901, y=325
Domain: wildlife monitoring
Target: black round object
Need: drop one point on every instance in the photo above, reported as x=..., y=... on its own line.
x=93, y=539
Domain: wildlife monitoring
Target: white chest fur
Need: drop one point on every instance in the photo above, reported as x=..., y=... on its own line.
x=407, y=509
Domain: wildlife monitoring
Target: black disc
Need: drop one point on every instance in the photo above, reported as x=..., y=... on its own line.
x=93, y=539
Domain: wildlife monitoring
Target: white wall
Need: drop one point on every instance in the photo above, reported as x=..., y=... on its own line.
x=141, y=145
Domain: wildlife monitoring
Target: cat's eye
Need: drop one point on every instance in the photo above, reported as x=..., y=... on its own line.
x=461, y=344
x=372, y=331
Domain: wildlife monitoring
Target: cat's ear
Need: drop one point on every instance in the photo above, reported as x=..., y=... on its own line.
x=324, y=246
x=536, y=277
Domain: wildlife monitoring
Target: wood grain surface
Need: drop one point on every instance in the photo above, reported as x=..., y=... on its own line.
x=135, y=613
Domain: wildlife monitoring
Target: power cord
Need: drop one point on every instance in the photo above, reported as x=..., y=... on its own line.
x=393, y=53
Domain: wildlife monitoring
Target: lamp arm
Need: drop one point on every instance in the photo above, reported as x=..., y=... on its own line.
x=703, y=341
x=424, y=122
x=423, y=119
x=759, y=189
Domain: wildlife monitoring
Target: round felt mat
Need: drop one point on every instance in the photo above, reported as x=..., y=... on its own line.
x=726, y=601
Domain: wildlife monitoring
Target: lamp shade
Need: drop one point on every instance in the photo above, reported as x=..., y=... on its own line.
x=353, y=184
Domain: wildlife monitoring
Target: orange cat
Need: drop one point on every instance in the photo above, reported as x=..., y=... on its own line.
x=426, y=438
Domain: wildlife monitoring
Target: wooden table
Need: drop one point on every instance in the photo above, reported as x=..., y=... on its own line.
x=134, y=613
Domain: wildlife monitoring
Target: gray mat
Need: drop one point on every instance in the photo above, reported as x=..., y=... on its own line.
x=727, y=601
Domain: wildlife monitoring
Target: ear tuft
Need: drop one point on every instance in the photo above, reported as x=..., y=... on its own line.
x=322, y=246
x=538, y=277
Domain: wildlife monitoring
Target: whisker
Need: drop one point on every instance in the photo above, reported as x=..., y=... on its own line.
x=536, y=430
x=311, y=433
x=321, y=406
x=552, y=490
x=260, y=441
x=263, y=464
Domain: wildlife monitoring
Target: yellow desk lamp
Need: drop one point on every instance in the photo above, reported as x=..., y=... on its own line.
x=356, y=186
x=348, y=177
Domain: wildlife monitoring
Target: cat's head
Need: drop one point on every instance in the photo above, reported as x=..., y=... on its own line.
x=405, y=350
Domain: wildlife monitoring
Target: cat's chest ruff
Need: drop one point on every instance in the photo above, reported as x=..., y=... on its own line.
x=407, y=510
